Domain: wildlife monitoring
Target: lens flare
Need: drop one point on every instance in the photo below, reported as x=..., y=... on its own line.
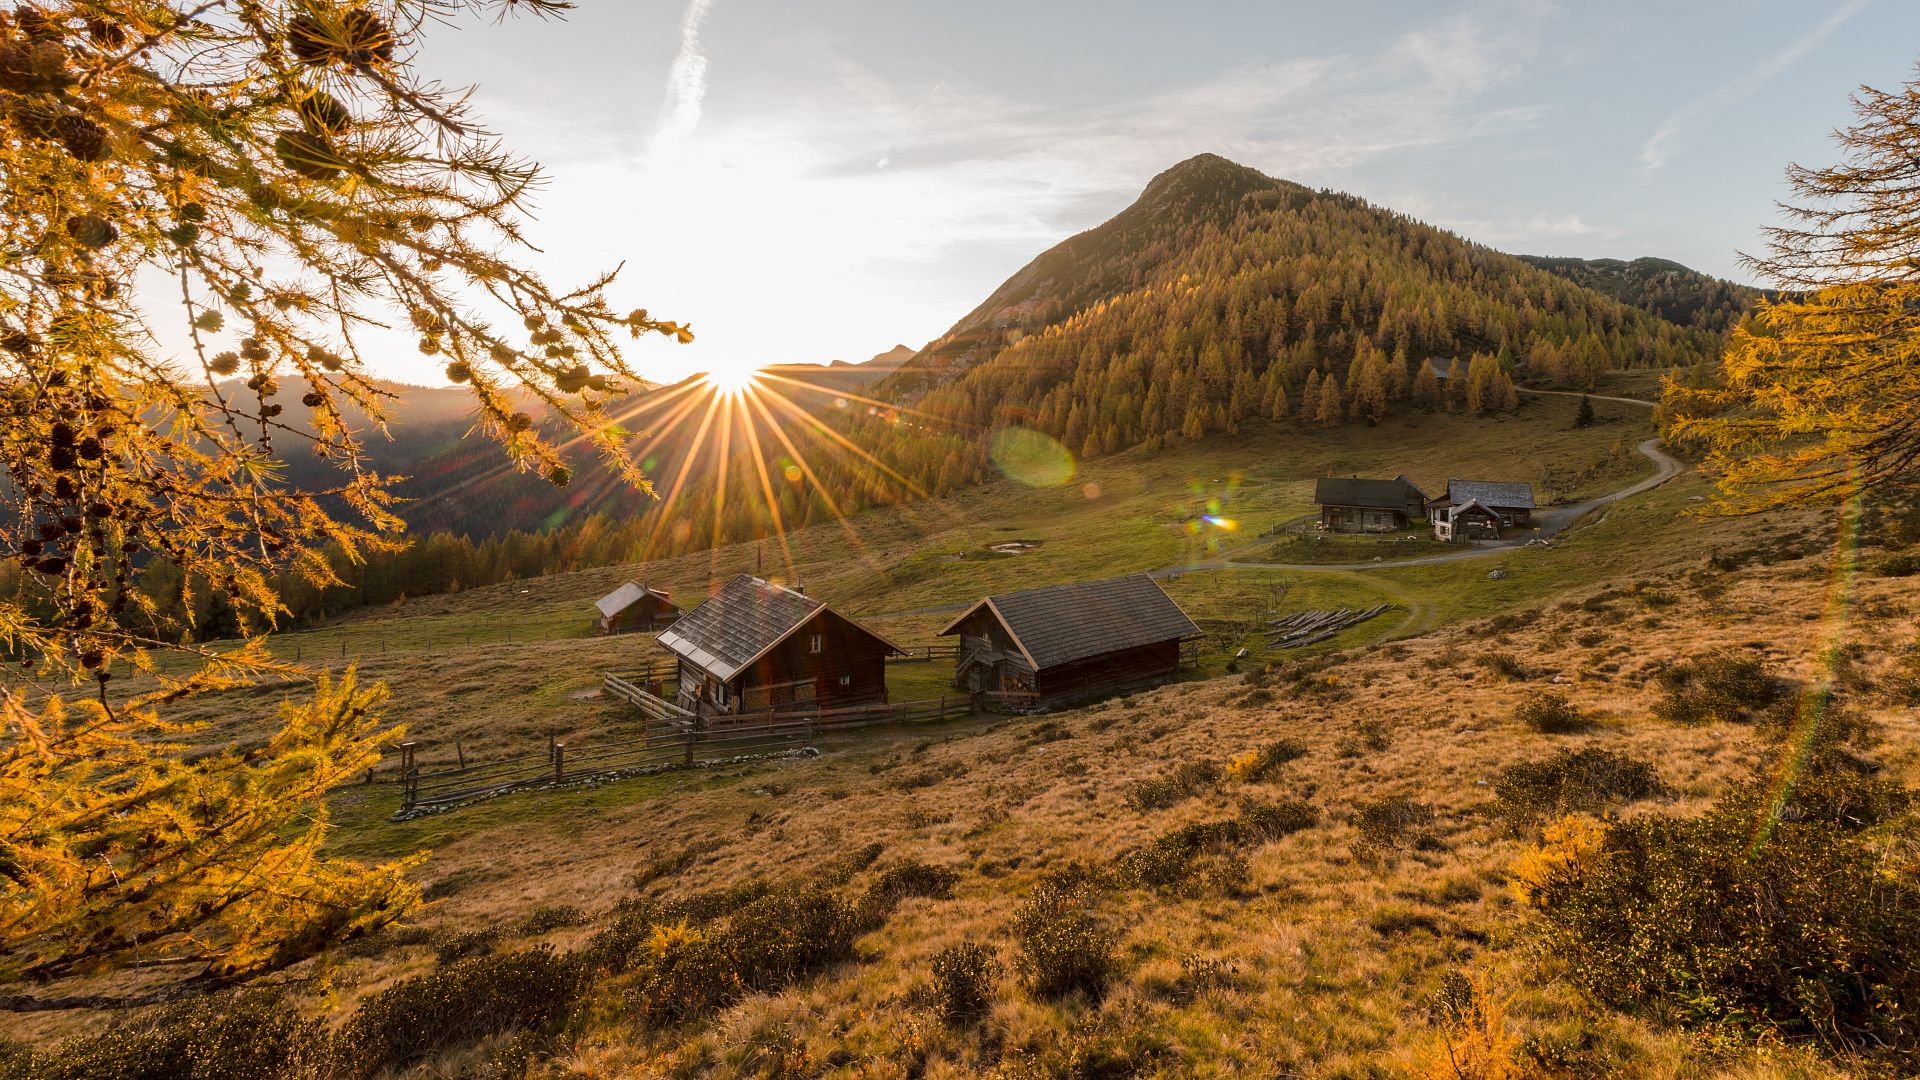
x=1030, y=457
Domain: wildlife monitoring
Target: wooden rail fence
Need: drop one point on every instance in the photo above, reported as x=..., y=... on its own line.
x=674, y=742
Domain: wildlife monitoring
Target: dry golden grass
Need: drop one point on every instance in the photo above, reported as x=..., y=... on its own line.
x=1325, y=961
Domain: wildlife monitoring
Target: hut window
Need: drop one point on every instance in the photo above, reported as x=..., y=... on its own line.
x=846, y=680
x=816, y=643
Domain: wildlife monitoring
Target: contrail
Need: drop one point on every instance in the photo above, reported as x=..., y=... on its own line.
x=686, y=83
x=1659, y=147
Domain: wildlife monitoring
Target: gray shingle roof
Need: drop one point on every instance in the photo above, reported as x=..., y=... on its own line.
x=737, y=625
x=1394, y=494
x=1490, y=493
x=623, y=598
x=1064, y=623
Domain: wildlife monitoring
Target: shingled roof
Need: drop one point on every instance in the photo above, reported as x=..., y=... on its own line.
x=1490, y=493
x=1064, y=623
x=625, y=597
x=1391, y=494
x=743, y=621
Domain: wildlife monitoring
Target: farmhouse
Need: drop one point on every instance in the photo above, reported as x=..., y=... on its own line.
x=1352, y=504
x=1045, y=647
x=634, y=606
x=1480, y=510
x=755, y=645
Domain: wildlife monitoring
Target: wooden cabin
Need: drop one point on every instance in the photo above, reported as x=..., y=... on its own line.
x=754, y=646
x=1042, y=648
x=634, y=606
x=1481, y=510
x=1353, y=504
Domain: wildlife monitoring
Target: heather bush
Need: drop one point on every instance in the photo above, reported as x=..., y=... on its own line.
x=900, y=881
x=469, y=1000
x=1064, y=948
x=1181, y=782
x=963, y=978
x=1573, y=780
x=1262, y=763
x=252, y=1037
x=1776, y=914
x=1720, y=688
x=1392, y=821
x=1550, y=713
x=1206, y=853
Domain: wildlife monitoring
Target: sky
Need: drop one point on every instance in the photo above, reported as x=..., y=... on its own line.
x=805, y=182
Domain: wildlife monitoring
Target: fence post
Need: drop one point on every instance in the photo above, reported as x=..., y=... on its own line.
x=409, y=788
x=559, y=762
x=406, y=756
x=460, y=752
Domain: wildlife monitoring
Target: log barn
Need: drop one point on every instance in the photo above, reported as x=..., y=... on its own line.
x=755, y=645
x=1041, y=648
x=634, y=606
x=1481, y=510
x=1354, y=504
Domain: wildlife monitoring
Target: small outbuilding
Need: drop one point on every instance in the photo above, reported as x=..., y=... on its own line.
x=634, y=606
x=1041, y=648
x=1481, y=510
x=1354, y=504
x=754, y=646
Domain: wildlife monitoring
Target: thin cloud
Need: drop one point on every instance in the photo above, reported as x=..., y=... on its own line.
x=1663, y=144
x=686, y=83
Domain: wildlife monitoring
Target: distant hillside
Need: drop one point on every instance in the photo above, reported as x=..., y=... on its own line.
x=845, y=376
x=1223, y=294
x=1678, y=294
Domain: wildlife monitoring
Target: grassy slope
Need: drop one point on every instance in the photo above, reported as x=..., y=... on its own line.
x=1336, y=954
x=499, y=668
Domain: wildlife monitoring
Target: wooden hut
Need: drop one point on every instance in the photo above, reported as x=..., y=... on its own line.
x=1481, y=510
x=634, y=606
x=755, y=646
x=1353, y=504
x=1041, y=648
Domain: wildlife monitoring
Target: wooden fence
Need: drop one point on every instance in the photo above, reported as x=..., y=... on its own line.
x=678, y=742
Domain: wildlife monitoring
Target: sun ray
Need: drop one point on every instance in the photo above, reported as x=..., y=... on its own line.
x=849, y=444
x=773, y=501
x=665, y=508
x=826, y=495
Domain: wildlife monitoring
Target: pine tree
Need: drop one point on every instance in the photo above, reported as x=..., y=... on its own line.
x=1426, y=388
x=1310, y=397
x=284, y=165
x=1819, y=385
x=1584, y=418
x=1333, y=407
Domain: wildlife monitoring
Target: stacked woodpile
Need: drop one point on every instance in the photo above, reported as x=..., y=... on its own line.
x=1312, y=627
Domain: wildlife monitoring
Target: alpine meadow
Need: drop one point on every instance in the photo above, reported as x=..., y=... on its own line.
x=1401, y=562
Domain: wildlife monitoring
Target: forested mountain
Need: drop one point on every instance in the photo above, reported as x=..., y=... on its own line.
x=1223, y=294
x=1665, y=288
x=1220, y=295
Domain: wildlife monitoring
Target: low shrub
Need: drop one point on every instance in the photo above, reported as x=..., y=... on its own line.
x=1903, y=565
x=460, y=944
x=1181, y=782
x=1783, y=922
x=683, y=972
x=1064, y=948
x=1206, y=853
x=469, y=1000
x=789, y=933
x=900, y=881
x=1904, y=685
x=1720, y=688
x=252, y=1037
x=1262, y=763
x=1550, y=713
x=1392, y=821
x=1506, y=665
x=963, y=978
x=543, y=920
x=1573, y=781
